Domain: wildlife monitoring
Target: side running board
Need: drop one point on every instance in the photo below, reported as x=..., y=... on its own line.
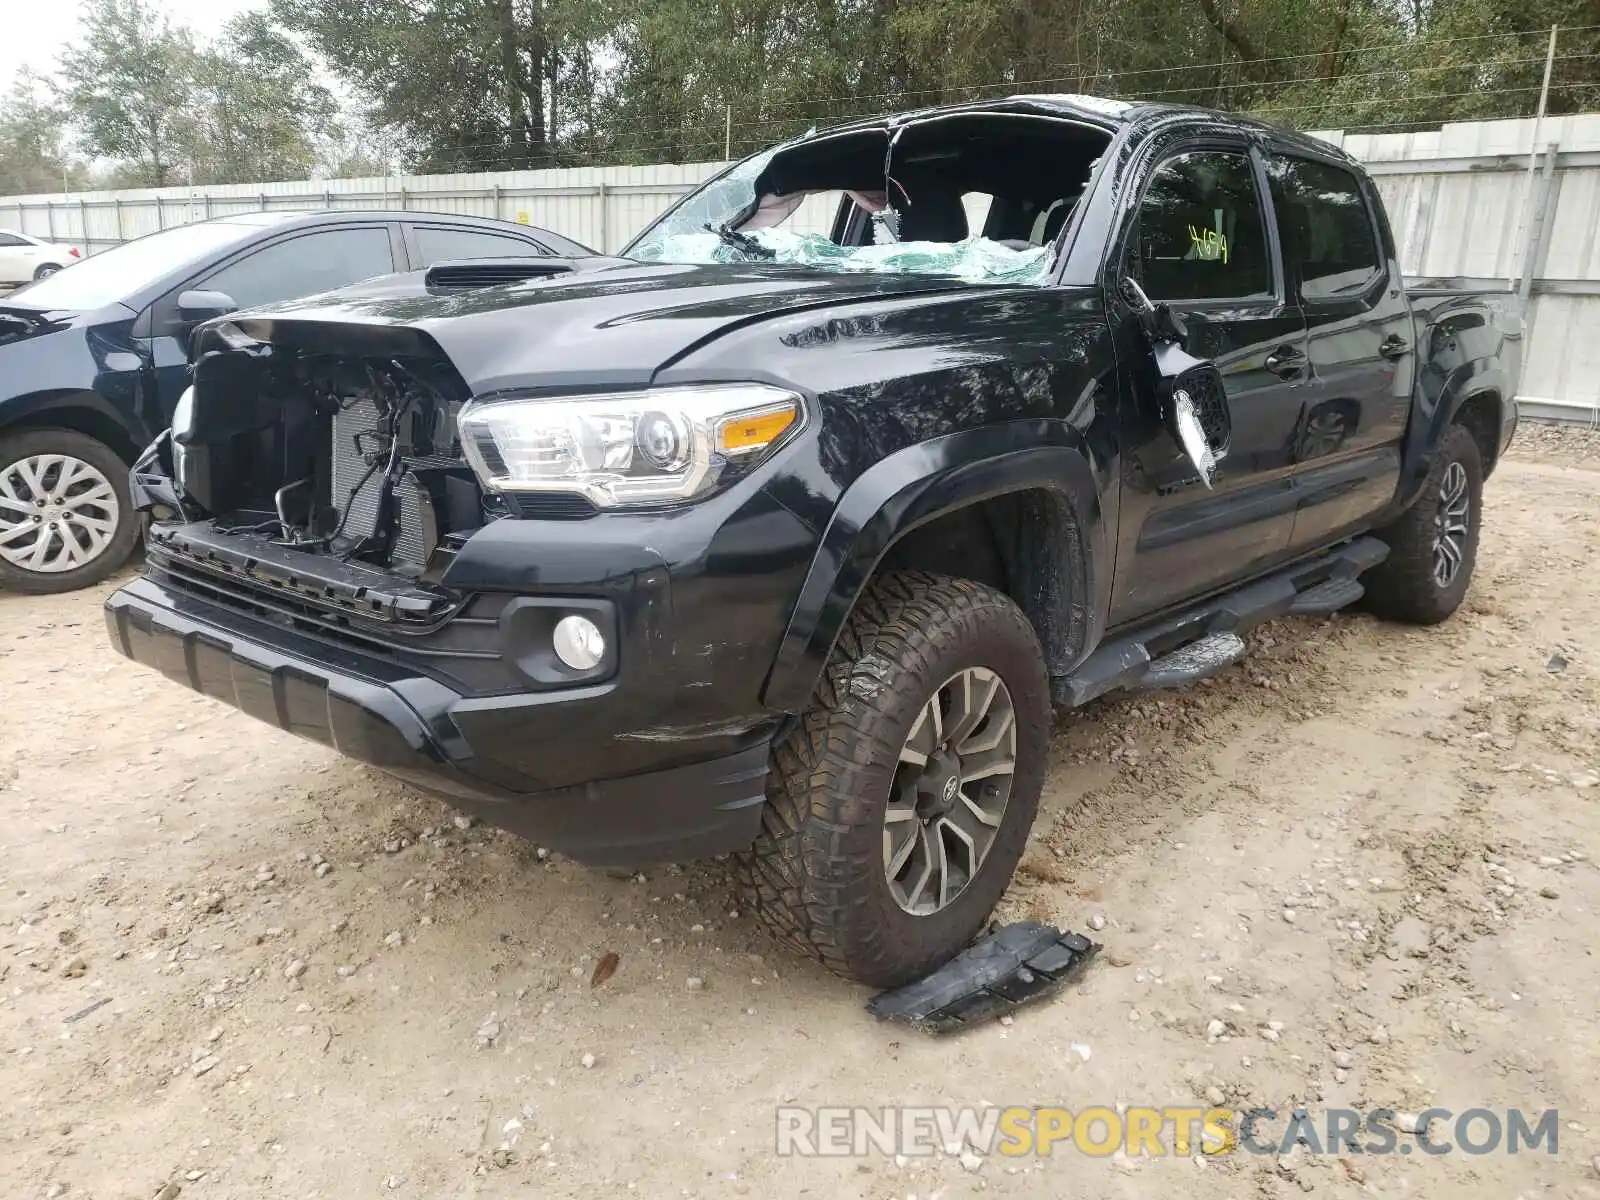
x=1208, y=637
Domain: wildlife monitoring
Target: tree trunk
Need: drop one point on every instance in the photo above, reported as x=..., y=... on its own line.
x=553, y=87
x=1328, y=64
x=158, y=169
x=512, y=90
x=1232, y=31
x=538, y=43
x=891, y=55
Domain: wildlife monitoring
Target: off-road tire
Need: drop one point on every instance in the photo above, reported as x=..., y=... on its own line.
x=815, y=876
x=105, y=460
x=1403, y=587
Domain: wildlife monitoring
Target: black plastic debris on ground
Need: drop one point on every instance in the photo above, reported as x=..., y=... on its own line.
x=1013, y=966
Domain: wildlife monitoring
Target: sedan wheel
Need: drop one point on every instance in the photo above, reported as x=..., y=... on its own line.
x=66, y=515
x=57, y=513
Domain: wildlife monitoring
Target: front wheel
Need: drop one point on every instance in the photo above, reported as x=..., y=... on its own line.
x=900, y=802
x=66, y=516
x=1433, y=547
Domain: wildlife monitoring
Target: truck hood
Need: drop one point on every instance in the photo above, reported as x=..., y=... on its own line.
x=610, y=323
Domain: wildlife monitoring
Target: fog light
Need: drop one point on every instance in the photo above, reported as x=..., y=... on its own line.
x=579, y=643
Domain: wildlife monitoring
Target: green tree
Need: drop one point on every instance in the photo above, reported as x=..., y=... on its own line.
x=32, y=158
x=131, y=86
x=259, y=113
x=468, y=84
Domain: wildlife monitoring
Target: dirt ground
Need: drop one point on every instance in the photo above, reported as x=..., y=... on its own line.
x=1366, y=856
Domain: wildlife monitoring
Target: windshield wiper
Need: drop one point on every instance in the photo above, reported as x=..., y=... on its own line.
x=741, y=242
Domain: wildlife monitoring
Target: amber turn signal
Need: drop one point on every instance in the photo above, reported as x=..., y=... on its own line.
x=745, y=432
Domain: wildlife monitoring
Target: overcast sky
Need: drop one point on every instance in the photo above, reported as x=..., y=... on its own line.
x=35, y=33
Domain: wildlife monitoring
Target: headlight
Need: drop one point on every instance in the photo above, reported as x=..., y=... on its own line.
x=183, y=414
x=652, y=447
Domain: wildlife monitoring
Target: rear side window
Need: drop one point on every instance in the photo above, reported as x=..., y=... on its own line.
x=438, y=244
x=1327, y=230
x=8, y=239
x=303, y=266
x=1201, y=231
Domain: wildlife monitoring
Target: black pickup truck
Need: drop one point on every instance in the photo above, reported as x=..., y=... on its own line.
x=765, y=540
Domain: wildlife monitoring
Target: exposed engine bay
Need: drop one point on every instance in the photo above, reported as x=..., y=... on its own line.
x=354, y=458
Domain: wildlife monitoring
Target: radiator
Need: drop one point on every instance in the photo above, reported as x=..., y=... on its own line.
x=410, y=548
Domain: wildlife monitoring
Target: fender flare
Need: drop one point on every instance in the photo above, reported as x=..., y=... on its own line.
x=919, y=484
x=1470, y=380
x=29, y=407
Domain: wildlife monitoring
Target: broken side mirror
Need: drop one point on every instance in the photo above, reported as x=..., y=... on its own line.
x=1158, y=321
x=1194, y=404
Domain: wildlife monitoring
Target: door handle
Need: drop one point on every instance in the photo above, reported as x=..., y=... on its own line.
x=1286, y=362
x=1394, y=347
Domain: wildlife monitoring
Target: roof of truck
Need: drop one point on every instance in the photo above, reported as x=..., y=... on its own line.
x=1101, y=111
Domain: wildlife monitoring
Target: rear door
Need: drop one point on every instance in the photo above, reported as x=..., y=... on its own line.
x=1202, y=240
x=1347, y=450
x=434, y=243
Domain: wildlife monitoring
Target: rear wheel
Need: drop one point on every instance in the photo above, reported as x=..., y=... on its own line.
x=899, y=805
x=46, y=270
x=66, y=516
x=1433, y=547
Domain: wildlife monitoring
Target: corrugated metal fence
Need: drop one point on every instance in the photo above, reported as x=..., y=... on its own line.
x=1464, y=203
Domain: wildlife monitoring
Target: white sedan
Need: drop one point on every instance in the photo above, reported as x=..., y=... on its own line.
x=24, y=258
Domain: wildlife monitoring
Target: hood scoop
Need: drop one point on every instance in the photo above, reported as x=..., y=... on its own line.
x=471, y=274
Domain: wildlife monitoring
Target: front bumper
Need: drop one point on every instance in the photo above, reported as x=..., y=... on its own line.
x=665, y=795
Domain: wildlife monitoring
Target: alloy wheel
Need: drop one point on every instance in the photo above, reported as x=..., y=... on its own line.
x=57, y=513
x=1450, y=525
x=950, y=790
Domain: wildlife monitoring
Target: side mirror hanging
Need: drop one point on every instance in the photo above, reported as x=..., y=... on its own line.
x=1194, y=404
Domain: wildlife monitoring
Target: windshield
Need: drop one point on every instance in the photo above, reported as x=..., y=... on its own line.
x=983, y=196
x=720, y=201
x=116, y=274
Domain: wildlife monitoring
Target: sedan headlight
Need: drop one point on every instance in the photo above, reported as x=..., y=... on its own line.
x=660, y=446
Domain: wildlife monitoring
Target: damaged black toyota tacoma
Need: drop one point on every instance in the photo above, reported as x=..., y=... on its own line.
x=784, y=532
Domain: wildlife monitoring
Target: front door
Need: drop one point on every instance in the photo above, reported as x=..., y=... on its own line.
x=301, y=265
x=1200, y=241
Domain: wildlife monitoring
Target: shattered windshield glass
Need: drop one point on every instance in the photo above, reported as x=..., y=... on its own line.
x=976, y=259
x=728, y=221
x=717, y=203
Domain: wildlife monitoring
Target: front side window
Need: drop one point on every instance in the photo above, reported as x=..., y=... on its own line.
x=1327, y=230
x=304, y=266
x=1201, y=233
